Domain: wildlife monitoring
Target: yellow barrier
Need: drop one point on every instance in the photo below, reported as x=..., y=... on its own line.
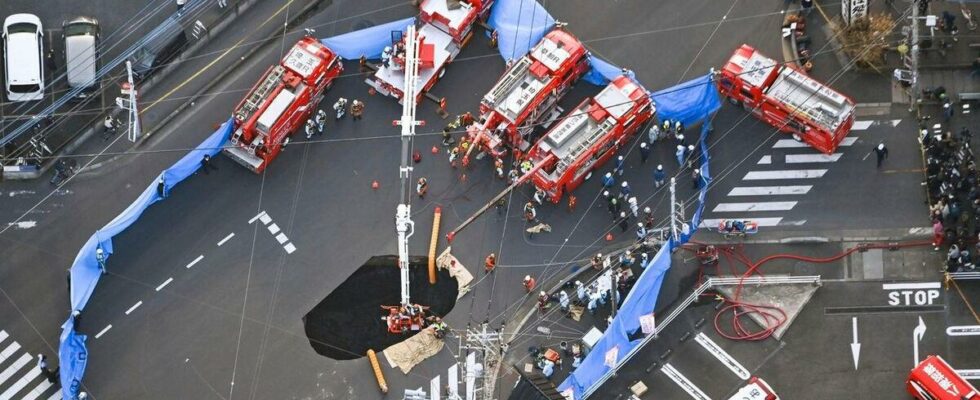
x=377, y=371
x=433, y=244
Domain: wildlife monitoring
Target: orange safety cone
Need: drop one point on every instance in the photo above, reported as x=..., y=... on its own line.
x=462, y=178
x=609, y=237
x=372, y=92
x=375, y=185
x=435, y=149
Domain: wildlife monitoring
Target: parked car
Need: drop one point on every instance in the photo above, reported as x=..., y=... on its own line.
x=160, y=49
x=81, y=37
x=23, y=41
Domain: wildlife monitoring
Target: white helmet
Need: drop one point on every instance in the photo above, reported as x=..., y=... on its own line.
x=881, y=146
x=599, y=255
x=578, y=283
x=643, y=145
x=527, y=278
x=620, y=158
x=623, y=184
x=605, y=193
x=660, y=167
x=647, y=210
x=543, y=293
x=680, y=137
x=387, y=49
x=639, y=224
x=690, y=147
x=608, y=174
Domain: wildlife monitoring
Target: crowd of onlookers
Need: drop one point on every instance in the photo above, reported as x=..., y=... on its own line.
x=951, y=178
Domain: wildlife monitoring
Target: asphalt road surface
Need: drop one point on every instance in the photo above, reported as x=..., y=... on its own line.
x=202, y=301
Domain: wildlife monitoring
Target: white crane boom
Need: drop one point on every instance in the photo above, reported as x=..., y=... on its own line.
x=403, y=221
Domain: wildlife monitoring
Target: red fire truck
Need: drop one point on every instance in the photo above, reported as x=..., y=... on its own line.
x=527, y=93
x=447, y=25
x=589, y=136
x=787, y=98
x=281, y=102
x=934, y=379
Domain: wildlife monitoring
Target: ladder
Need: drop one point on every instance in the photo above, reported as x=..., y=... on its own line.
x=507, y=82
x=254, y=100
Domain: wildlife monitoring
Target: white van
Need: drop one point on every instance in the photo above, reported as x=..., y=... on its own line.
x=81, y=54
x=23, y=49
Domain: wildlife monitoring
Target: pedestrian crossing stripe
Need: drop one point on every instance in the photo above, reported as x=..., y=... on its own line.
x=770, y=190
x=793, y=143
x=757, y=206
x=812, y=158
x=770, y=221
x=784, y=174
x=861, y=125
x=20, y=378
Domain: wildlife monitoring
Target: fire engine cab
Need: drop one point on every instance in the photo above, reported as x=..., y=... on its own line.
x=527, y=93
x=787, y=99
x=934, y=379
x=446, y=26
x=588, y=136
x=281, y=102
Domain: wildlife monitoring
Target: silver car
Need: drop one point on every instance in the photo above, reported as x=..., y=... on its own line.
x=82, y=54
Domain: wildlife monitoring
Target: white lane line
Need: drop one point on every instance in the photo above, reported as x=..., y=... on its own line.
x=282, y=238
x=165, y=283
x=274, y=229
x=793, y=144
x=9, y=351
x=784, y=174
x=861, y=125
x=21, y=383
x=38, y=390
x=196, y=260
x=722, y=356
x=257, y=216
x=265, y=219
x=918, y=285
x=812, y=158
x=758, y=206
x=683, y=382
x=103, y=331
x=765, y=160
x=16, y=366
x=713, y=223
x=227, y=238
x=289, y=248
x=435, y=388
x=770, y=190
x=134, y=307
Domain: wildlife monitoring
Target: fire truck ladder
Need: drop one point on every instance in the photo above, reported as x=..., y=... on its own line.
x=517, y=73
x=254, y=100
x=583, y=145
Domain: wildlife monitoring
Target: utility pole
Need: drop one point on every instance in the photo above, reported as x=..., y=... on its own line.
x=482, y=360
x=130, y=104
x=914, y=61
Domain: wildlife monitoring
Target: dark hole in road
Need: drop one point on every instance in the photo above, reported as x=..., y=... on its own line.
x=345, y=324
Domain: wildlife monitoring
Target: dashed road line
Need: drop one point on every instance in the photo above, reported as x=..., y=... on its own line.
x=134, y=307
x=722, y=356
x=227, y=238
x=103, y=331
x=196, y=260
x=164, y=284
x=683, y=382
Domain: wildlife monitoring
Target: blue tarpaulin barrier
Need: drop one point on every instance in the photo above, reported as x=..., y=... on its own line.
x=85, y=271
x=690, y=102
x=602, y=72
x=368, y=42
x=520, y=24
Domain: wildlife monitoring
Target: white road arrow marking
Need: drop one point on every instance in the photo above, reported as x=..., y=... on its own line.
x=917, y=334
x=855, y=345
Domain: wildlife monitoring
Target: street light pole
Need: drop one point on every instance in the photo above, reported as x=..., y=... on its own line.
x=914, y=62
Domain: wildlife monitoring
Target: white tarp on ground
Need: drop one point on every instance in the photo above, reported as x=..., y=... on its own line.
x=456, y=270
x=408, y=354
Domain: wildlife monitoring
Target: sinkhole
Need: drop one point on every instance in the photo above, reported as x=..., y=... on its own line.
x=348, y=322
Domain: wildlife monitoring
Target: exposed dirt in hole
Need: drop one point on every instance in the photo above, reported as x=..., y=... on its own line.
x=345, y=324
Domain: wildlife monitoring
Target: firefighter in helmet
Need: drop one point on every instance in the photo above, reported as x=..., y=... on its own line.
x=422, y=187
x=530, y=212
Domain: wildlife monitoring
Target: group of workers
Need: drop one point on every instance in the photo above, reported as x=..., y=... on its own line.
x=317, y=122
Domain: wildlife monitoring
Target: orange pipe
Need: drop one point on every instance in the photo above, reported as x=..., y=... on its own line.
x=377, y=371
x=433, y=243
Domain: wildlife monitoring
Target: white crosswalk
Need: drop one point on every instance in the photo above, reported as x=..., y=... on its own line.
x=801, y=165
x=19, y=376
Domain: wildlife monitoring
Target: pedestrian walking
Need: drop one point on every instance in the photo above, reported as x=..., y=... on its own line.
x=644, y=152
x=422, y=187
x=681, y=154
x=938, y=233
x=498, y=168
x=696, y=178
x=340, y=108
x=310, y=128
x=490, y=263
x=597, y=262
x=100, y=259
x=109, y=127
x=806, y=6
x=500, y=205
x=634, y=207
x=881, y=153
x=641, y=232
x=50, y=61
x=612, y=206
x=624, y=190
x=581, y=293
x=530, y=213
x=180, y=7
x=644, y=259
x=608, y=181
x=648, y=217
x=620, y=165
x=659, y=176
x=654, y=133
x=947, y=110
x=564, y=302
x=321, y=121
x=161, y=188
x=42, y=364
x=572, y=201
x=679, y=130
x=539, y=196
x=206, y=164
x=623, y=221
x=529, y=283
x=543, y=300
x=453, y=156
x=357, y=109
x=593, y=301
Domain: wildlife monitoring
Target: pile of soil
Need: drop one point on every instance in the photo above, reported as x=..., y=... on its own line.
x=348, y=322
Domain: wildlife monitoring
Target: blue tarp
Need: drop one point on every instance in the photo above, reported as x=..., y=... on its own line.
x=368, y=42
x=85, y=272
x=520, y=24
x=690, y=102
x=602, y=72
x=641, y=301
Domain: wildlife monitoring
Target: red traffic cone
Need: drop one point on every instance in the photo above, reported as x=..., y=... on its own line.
x=609, y=237
x=375, y=185
x=435, y=149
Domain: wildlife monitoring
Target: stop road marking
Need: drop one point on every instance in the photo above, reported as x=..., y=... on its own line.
x=908, y=294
